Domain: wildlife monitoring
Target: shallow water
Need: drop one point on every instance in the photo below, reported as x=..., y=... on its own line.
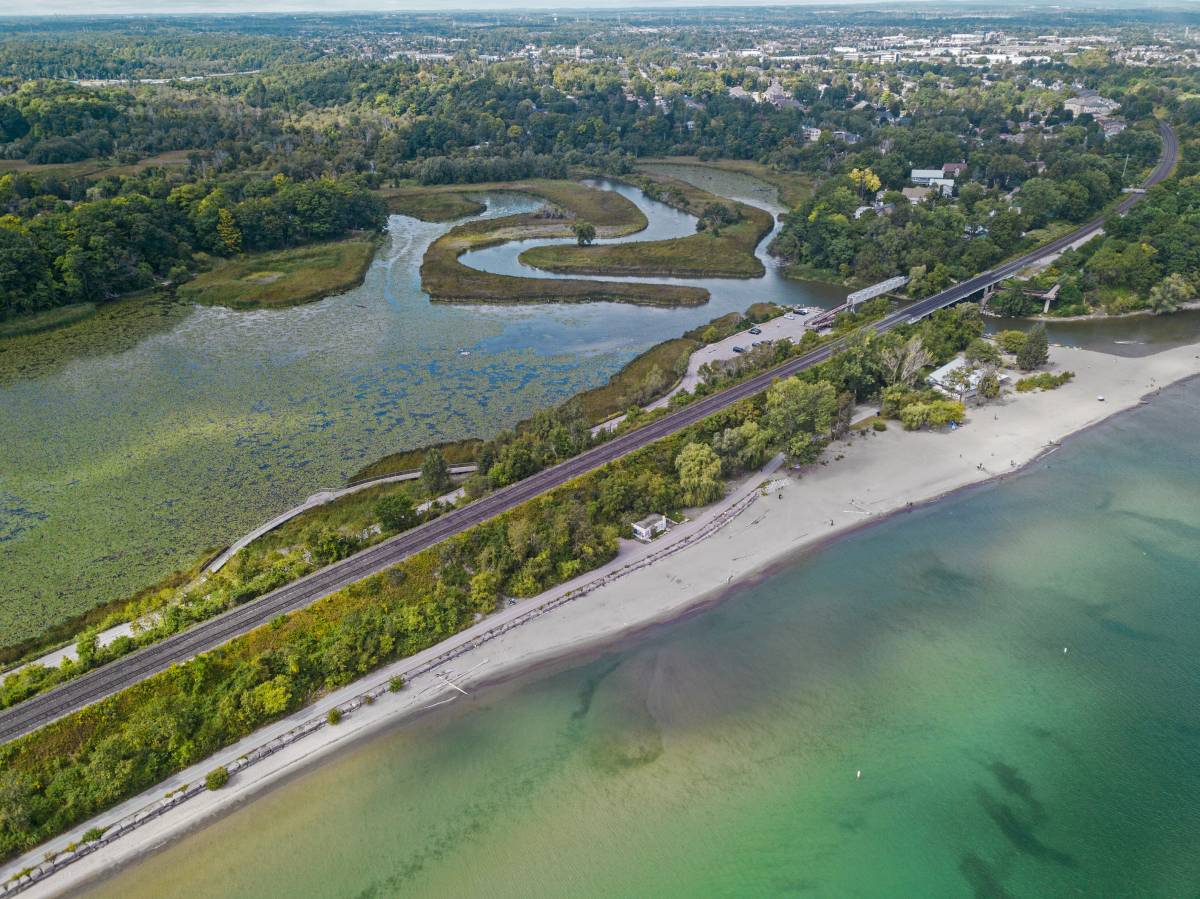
x=717, y=756
x=137, y=439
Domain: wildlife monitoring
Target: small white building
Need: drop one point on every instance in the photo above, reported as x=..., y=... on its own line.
x=650, y=527
x=941, y=379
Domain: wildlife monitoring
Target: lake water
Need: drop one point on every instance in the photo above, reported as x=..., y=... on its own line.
x=717, y=756
x=137, y=439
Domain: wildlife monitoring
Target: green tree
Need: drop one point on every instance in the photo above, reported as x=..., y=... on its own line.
x=216, y=778
x=982, y=352
x=1035, y=352
x=435, y=474
x=1169, y=294
x=228, y=234
x=699, y=469
x=989, y=385
x=396, y=512
x=798, y=407
x=1011, y=341
x=585, y=233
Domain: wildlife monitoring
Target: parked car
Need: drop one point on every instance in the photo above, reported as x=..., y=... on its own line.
x=756, y=330
x=739, y=349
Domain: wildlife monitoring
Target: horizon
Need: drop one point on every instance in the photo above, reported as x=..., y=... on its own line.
x=150, y=8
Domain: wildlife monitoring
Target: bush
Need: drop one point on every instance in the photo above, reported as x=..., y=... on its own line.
x=1044, y=381
x=935, y=414
x=879, y=425
x=216, y=778
x=1011, y=341
x=396, y=684
x=92, y=834
x=334, y=716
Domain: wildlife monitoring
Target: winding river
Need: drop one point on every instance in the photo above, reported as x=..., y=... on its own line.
x=153, y=431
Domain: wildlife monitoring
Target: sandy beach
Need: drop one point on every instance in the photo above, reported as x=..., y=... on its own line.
x=863, y=479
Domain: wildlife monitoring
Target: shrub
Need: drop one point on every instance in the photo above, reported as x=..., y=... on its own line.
x=935, y=414
x=1011, y=341
x=396, y=684
x=879, y=425
x=92, y=834
x=1044, y=381
x=334, y=716
x=216, y=778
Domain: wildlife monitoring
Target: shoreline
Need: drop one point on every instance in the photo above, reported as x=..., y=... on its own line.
x=883, y=473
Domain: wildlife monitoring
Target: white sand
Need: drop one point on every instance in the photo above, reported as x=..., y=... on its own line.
x=879, y=473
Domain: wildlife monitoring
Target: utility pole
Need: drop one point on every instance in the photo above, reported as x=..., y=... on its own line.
x=1123, y=168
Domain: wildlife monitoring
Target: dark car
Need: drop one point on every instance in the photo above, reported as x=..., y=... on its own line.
x=739, y=349
x=756, y=330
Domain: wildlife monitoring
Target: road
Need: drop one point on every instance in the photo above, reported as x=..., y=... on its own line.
x=124, y=672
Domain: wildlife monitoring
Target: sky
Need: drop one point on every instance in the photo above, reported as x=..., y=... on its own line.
x=158, y=7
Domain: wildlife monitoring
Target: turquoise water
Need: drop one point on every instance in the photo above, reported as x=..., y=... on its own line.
x=152, y=431
x=717, y=756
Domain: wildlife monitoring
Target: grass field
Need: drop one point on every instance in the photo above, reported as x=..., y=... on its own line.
x=458, y=452
x=644, y=379
x=792, y=186
x=94, y=168
x=702, y=255
x=283, y=277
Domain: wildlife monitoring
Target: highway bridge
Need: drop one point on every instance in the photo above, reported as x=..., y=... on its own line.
x=121, y=673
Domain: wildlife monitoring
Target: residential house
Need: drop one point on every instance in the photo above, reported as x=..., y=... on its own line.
x=932, y=178
x=915, y=195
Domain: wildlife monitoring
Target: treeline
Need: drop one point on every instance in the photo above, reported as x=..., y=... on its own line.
x=54, y=251
x=478, y=169
x=91, y=760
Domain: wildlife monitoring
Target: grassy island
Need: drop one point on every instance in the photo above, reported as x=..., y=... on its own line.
x=430, y=205
x=279, y=278
x=791, y=186
x=448, y=280
x=726, y=251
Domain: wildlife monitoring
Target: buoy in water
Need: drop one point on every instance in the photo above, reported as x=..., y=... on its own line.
x=858, y=774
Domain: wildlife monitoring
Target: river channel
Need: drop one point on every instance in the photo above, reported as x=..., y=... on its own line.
x=141, y=437
x=138, y=439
